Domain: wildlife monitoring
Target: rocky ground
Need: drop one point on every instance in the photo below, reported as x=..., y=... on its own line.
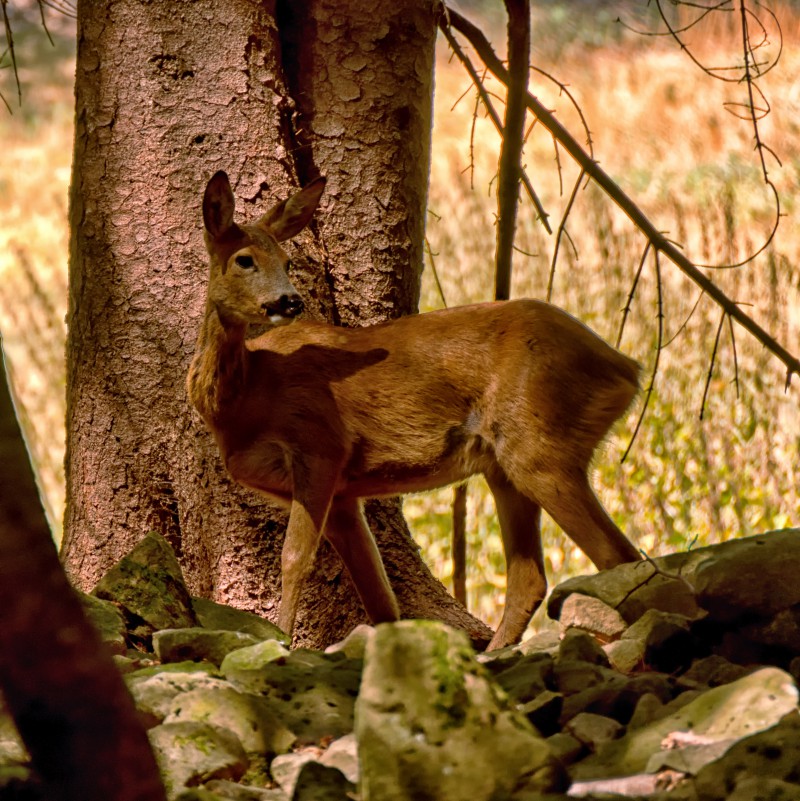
x=671, y=679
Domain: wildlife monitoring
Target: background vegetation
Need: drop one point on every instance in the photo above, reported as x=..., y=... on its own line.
x=660, y=128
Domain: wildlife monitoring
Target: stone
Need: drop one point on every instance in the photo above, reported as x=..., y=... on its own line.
x=211, y=615
x=565, y=748
x=720, y=714
x=342, y=754
x=242, y=792
x=618, y=696
x=594, y=730
x=198, y=644
x=577, y=644
x=108, y=621
x=148, y=585
x=782, y=630
x=317, y=782
x=354, y=644
x=249, y=717
x=713, y=671
x=756, y=576
x=648, y=709
x=544, y=712
x=572, y=676
x=593, y=616
x=666, y=640
x=154, y=693
x=525, y=678
x=189, y=754
x=313, y=693
x=286, y=768
x=625, y=655
x=767, y=755
x=251, y=659
x=431, y=724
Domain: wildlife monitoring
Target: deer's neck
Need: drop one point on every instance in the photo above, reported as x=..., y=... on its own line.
x=219, y=367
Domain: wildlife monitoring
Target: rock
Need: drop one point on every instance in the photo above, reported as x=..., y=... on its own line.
x=593, y=616
x=594, y=730
x=635, y=587
x=782, y=630
x=712, y=671
x=769, y=755
x=317, y=782
x=250, y=659
x=648, y=708
x=240, y=792
x=625, y=655
x=721, y=714
x=249, y=717
x=543, y=642
x=665, y=638
x=526, y=678
x=580, y=645
x=313, y=693
x=191, y=753
x=154, y=693
x=565, y=748
x=197, y=644
x=572, y=676
x=354, y=644
x=286, y=768
x=544, y=712
x=618, y=696
x=211, y=615
x=342, y=754
x=430, y=723
x=754, y=576
x=199, y=795
x=148, y=585
x=108, y=621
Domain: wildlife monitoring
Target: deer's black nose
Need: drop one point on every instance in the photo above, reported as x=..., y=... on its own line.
x=286, y=306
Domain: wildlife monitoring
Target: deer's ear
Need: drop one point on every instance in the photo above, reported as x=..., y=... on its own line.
x=288, y=218
x=218, y=205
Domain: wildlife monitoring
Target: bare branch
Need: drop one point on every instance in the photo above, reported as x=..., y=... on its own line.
x=626, y=311
x=542, y=215
x=659, y=347
x=625, y=203
x=561, y=230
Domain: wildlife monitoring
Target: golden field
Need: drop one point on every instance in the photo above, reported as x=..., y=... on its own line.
x=660, y=128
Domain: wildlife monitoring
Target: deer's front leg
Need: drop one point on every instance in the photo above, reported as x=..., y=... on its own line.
x=349, y=534
x=313, y=490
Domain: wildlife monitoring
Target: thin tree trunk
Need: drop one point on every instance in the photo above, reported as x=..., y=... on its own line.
x=166, y=94
x=61, y=686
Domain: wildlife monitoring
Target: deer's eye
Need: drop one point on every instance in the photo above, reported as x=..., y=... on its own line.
x=245, y=262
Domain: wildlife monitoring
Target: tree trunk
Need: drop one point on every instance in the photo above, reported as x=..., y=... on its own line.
x=166, y=94
x=60, y=684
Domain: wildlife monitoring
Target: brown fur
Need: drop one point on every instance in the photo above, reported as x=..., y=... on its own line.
x=321, y=417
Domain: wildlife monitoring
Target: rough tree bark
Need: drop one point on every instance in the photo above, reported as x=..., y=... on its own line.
x=166, y=94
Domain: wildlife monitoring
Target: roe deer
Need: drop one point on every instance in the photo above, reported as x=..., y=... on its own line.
x=320, y=417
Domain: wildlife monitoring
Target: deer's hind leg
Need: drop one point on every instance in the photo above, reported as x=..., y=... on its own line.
x=526, y=584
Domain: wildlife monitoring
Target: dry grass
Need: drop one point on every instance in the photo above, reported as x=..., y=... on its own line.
x=660, y=129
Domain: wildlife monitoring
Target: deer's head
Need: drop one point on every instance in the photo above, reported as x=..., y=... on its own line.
x=249, y=281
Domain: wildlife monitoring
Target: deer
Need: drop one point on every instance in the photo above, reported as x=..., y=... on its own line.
x=320, y=417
